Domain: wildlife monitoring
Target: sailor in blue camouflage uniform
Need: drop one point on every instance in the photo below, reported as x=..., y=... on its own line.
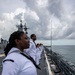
x=16, y=61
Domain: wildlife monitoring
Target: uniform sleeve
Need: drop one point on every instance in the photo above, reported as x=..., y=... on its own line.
x=30, y=48
x=31, y=45
x=10, y=68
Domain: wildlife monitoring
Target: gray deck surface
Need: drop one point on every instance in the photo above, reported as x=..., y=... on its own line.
x=43, y=66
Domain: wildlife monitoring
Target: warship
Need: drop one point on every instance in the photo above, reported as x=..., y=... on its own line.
x=51, y=63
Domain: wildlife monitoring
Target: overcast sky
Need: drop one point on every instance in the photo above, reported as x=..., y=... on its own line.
x=39, y=15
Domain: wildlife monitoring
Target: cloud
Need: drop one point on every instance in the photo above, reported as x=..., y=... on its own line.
x=63, y=12
x=39, y=15
x=55, y=7
x=10, y=20
x=42, y=3
x=40, y=8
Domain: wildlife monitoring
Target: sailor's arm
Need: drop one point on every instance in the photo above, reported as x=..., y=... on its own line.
x=10, y=67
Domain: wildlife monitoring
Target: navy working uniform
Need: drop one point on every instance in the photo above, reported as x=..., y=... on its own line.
x=16, y=64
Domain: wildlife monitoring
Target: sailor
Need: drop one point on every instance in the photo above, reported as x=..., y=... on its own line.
x=32, y=49
x=41, y=47
x=16, y=62
x=38, y=54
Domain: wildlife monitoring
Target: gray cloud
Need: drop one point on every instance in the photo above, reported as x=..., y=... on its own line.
x=38, y=17
x=55, y=7
x=18, y=16
x=41, y=25
x=10, y=6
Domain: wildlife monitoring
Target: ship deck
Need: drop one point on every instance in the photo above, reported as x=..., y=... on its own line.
x=45, y=67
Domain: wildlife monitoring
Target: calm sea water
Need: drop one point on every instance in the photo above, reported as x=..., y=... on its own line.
x=67, y=51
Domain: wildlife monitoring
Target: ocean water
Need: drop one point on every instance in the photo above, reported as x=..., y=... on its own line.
x=67, y=51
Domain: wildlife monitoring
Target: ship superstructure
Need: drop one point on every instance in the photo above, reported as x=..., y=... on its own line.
x=22, y=27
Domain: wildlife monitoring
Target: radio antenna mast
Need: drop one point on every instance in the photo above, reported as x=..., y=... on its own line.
x=51, y=41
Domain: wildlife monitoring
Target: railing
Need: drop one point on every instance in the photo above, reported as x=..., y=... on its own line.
x=64, y=66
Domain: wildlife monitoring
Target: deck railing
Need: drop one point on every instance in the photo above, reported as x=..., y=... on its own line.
x=64, y=66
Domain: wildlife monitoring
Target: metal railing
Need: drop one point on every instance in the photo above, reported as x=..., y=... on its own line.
x=65, y=67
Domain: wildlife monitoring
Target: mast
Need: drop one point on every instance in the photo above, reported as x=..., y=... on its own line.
x=25, y=28
x=22, y=27
x=51, y=43
x=51, y=35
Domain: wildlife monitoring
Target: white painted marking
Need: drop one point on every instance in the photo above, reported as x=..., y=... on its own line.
x=49, y=68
